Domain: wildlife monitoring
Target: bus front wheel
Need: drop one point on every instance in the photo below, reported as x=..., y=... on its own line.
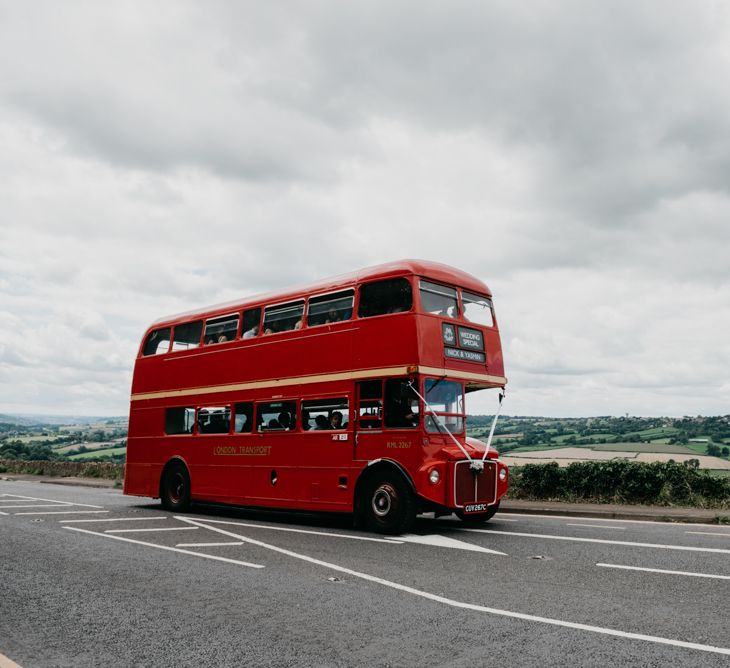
x=388, y=504
x=175, y=488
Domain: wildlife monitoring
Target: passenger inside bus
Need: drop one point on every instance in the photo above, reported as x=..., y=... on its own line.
x=336, y=420
x=284, y=420
x=401, y=406
x=244, y=417
x=321, y=422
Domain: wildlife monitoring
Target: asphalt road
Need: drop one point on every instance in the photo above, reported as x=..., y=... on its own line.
x=89, y=577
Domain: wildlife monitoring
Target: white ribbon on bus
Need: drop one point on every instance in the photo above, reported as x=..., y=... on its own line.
x=474, y=464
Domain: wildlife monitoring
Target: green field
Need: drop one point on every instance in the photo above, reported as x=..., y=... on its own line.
x=644, y=447
x=99, y=453
x=90, y=445
x=33, y=439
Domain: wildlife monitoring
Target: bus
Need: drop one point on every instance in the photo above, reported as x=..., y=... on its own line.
x=346, y=396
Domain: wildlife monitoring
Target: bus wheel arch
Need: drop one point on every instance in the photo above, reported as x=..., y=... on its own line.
x=175, y=490
x=385, y=498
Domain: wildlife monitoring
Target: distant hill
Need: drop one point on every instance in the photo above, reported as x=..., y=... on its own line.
x=33, y=420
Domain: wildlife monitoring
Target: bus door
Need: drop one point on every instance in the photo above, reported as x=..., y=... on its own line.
x=387, y=415
x=325, y=452
x=273, y=472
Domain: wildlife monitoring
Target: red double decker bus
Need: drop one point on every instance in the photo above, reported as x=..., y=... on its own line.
x=346, y=395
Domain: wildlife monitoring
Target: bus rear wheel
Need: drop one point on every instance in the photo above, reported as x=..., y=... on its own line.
x=478, y=518
x=175, y=488
x=388, y=505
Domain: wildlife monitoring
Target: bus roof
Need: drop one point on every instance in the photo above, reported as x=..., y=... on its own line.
x=433, y=270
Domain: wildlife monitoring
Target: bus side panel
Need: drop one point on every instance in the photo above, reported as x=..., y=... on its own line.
x=284, y=355
x=142, y=480
x=388, y=340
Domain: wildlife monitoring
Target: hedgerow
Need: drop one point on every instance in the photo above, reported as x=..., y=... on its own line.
x=108, y=470
x=621, y=481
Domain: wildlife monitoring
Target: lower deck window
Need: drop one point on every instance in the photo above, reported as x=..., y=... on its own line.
x=446, y=399
x=214, y=420
x=243, y=422
x=324, y=414
x=401, y=404
x=370, y=408
x=179, y=420
x=277, y=416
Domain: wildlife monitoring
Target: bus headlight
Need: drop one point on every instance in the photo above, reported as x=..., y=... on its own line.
x=502, y=475
x=434, y=476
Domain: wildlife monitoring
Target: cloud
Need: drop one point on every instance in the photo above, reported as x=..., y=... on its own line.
x=157, y=158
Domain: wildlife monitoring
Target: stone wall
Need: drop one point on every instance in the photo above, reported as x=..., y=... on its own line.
x=107, y=470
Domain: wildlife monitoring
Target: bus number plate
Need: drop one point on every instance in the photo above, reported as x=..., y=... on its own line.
x=475, y=508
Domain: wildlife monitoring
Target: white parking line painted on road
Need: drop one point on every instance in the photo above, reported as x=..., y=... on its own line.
x=709, y=533
x=65, y=512
x=169, y=549
x=116, y=519
x=603, y=541
x=7, y=663
x=613, y=519
x=660, y=570
x=208, y=544
x=65, y=503
x=155, y=530
x=461, y=604
x=597, y=526
x=37, y=505
x=1, y=513
x=436, y=540
x=392, y=541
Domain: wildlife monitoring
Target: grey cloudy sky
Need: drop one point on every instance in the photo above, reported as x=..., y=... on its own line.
x=575, y=155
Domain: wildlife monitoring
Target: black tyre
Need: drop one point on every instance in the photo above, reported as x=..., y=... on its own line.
x=388, y=505
x=478, y=518
x=175, y=488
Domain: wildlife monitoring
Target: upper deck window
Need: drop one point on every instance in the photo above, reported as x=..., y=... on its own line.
x=438, y=299
x=477, y=309
x=157, y=342
x=391, y=296
x=220, y=330
x=284, y=317
x=187, y=335
x=251, y=323
x=327, y=309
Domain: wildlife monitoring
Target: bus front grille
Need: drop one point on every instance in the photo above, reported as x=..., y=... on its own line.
x=474, y=487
